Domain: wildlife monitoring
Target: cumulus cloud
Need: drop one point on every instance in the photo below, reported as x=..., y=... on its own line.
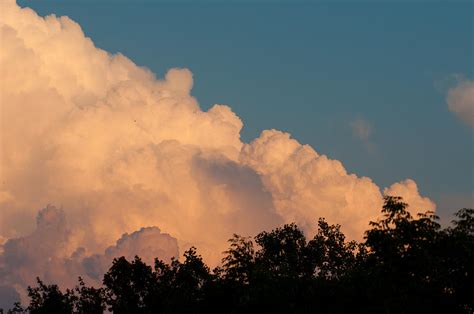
x=408, y=190
x=306, y=185
x=41, y=253
x=461, y=101
x=120, y=150
x=25, y=257
x=44, y=253
x=148, y=243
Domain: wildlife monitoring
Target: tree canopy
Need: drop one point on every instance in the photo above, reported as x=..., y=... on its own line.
x=404, y=265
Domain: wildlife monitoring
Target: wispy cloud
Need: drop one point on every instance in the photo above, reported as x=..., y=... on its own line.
x=460, y=101
x=361, y=129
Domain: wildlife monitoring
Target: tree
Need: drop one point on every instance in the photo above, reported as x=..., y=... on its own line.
x=405, y=265
x=128, y=285
x=457, y=247
x=281, y=252
x=239, y=260
x=88, y=300
x=405, y=262
x=465, y=221
x=17, y=309
x=49, y=299
x=186, y=282
x=328, y=255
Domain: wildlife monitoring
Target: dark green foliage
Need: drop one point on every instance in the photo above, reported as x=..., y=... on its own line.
x=458, y=259
x=176, y=288
x=282, y=252
x=405, y=265
x=88, y=299
x=465, y=222
x=49, y=299
x=128, y=286
x=328, y=255
x=239, y=259
x=183, y=284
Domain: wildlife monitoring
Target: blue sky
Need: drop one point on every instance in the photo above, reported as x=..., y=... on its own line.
x=312, y=69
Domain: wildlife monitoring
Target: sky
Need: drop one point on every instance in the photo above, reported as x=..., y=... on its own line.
x=145, y=128
x=314, y=69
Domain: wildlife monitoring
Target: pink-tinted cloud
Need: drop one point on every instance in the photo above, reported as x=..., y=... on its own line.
x=120, y=150
x=461, y=101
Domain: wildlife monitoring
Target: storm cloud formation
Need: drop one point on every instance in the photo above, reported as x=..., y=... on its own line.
x=123, y=153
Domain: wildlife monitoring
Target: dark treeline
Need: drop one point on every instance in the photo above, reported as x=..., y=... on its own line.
x=405, y=265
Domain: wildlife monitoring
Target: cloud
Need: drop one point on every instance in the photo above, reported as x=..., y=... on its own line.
x=148, y=243
x=45, y=253
x=120, y=150
x=408, y=190
x=8, y=296
x=461, y=101
x=41, y=253
x=306, y=185
x=361, y=129
x=25, y=257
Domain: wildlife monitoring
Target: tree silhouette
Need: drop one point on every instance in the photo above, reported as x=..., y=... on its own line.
x=187, y=283
x=406, y=264
x=329, y=256
x=49, y=299
x=88, y=299
x=457, y=247
x=239, y=260
x=128, y=285
x=282, y=251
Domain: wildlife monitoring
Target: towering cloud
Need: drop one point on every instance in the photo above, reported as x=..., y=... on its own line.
x=123, y=154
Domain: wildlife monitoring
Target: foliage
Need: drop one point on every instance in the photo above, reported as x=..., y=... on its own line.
x=404, y=265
